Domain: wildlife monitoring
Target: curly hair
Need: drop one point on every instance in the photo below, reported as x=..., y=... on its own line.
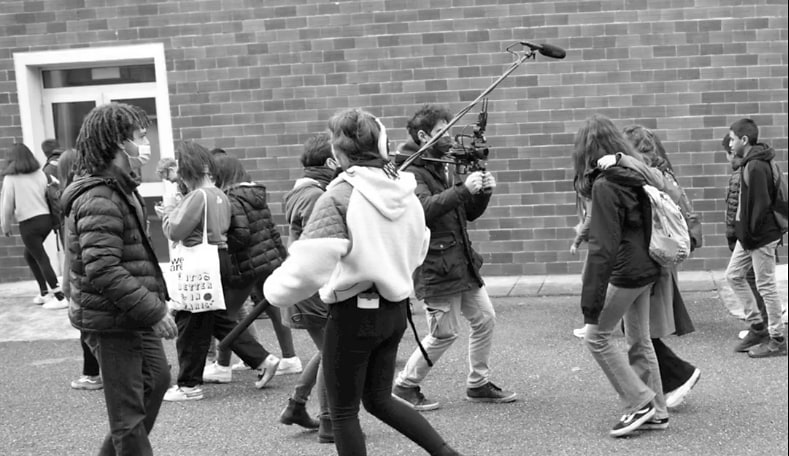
x=426, y=119
x=103, y=130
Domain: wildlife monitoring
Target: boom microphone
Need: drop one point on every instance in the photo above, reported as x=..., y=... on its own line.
x=547, y=50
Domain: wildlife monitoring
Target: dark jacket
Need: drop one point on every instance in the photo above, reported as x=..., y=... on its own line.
x=51, y=166
x=756, y=225
x=253, y=241
x=451, y=266
x=618, y=239
x=732, y=200
x=116, y=282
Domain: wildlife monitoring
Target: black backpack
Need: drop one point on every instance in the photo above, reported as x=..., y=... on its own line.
x=53, y=194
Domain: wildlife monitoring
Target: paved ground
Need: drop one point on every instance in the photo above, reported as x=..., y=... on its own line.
x=565, y=405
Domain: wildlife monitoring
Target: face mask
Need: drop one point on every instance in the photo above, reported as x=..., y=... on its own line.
x=145, y=152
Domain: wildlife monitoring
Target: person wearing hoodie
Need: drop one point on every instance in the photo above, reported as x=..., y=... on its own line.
x=449, y=281
x=311, y=313
x=117, y=290
x=758, y=234
x=365, y=238
x=618, y=275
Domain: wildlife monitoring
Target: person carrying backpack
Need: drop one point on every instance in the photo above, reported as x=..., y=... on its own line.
x=758, y=233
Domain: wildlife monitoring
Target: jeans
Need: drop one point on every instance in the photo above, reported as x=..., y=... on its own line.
x=136, y=375
x=33, y=232
x=359, y=354
x=234, y=303
x=90, y=365
x=636, y=378
x=763, y=262
x=443, y=319
x=313, y=375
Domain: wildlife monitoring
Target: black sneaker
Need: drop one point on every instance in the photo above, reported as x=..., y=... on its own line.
x=632, y=421
x=655, y=424
x=752, y=339
x=773, y=347
x=414, y=397
x=489, y=393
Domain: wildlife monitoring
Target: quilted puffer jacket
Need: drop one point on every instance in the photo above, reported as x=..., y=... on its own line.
x=732, y=199
x=254, y=244
x=116, y=282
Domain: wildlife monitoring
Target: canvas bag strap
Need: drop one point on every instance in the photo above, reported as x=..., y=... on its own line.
x=205, y=216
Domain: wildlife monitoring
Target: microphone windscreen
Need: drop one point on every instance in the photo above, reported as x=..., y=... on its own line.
x=552, y=51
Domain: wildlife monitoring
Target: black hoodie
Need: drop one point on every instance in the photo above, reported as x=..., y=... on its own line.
x=755, y=225
x=618, y=239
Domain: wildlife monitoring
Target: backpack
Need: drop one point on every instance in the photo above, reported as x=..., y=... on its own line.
x=669, y=243
x=780, y=205
x=53, y=194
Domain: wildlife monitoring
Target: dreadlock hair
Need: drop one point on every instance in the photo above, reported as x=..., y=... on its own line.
x=105, y=128
x=646, y=142
x=194, y=162
x=426, y=119
x=20, y=160
x=596, y=138
x=229, y=172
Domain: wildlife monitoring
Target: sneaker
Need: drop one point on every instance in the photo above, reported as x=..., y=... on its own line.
x=741, y=335
x=55, y=304
x=414, y=397
x=632, y=421
x=675, y=397
x=41, y=299
x=289, y=366
x=216, y=373
x=240, y=366
x=773, y=347
x=88, y=382
x=752, y=339
x=580, y=332
x=266, y=371
x=183, y=393
x=489, y=393
x=655, y=424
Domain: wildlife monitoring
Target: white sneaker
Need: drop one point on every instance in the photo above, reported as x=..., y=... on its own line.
x=240, y=366
x=266, y=371
x=289, y=366
x=675, y=398
x=580, y=332
x=742, y=334
x=42, y=299
x=55, y=304
x=183, y=393
x=215, y=373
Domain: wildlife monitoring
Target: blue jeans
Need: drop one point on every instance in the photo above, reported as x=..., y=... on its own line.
x=443, y=320
x=359, y=354
x=136, y=375
x=635, y=377
x=763, y=262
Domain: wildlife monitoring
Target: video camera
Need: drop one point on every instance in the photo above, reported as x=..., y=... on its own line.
x=472, y=157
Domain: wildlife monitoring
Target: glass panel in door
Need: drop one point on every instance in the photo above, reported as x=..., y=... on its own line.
x=67, y=119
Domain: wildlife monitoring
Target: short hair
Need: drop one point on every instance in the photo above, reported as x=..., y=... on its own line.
x=217, y=151
x=194, y=162
x=317, y=149
x=229, y=171
x=746, y=127
x=48, y=146
x=726, y=143
x=103, y=129
x=355, y=132
x=66, y=167
x=20, y=160
x=648, y=144
x=426, y=120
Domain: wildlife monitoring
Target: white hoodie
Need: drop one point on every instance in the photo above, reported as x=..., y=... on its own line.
x=366, y=229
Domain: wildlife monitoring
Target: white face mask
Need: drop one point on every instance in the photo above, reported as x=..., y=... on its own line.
x=145, y=152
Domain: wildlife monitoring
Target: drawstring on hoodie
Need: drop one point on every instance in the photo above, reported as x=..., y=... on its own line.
x=416, y=335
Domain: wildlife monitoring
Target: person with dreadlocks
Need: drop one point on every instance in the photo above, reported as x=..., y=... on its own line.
x=364, y=239
x=118, y=294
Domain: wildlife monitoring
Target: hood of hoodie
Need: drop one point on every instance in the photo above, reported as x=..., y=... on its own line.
x=759, y=151
x=624, y=176
x=388, y=196
x=252, y=194
x=736, y=163
x=112, y=176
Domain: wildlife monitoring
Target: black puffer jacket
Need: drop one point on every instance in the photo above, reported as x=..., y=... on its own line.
x=451, y=265
x=732, y=200
x=253, y=241
x=618, y=239
x=116, y=282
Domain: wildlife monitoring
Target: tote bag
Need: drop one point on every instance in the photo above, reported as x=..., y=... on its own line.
x=194, y=281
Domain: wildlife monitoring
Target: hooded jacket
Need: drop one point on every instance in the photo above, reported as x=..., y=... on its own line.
x=618, y=239
x=451, y=266
x=116, y=282
x=755, y=223
x=367, y=230
x=254, y=244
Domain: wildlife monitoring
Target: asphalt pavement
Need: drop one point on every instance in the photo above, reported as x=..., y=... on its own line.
x=565, y=405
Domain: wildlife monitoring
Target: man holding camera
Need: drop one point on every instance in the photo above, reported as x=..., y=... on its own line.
x=449, y=282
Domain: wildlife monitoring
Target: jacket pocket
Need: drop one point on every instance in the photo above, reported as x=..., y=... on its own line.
x=443, y=262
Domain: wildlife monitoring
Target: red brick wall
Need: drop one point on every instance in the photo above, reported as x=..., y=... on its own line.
x=256, y=80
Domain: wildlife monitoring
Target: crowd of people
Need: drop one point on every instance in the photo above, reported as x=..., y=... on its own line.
x=363, y=238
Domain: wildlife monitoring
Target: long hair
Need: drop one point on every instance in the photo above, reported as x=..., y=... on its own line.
x=194, y=162
x=596, y=138
x=20, y=160
x=648, y=144
x=355, y=132
x=66, y=167
x=229, y=172
x=103, y=130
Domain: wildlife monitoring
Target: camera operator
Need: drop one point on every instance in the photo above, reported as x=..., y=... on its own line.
x=448, y=281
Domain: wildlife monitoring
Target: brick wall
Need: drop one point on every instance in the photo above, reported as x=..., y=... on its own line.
x=256, y=80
